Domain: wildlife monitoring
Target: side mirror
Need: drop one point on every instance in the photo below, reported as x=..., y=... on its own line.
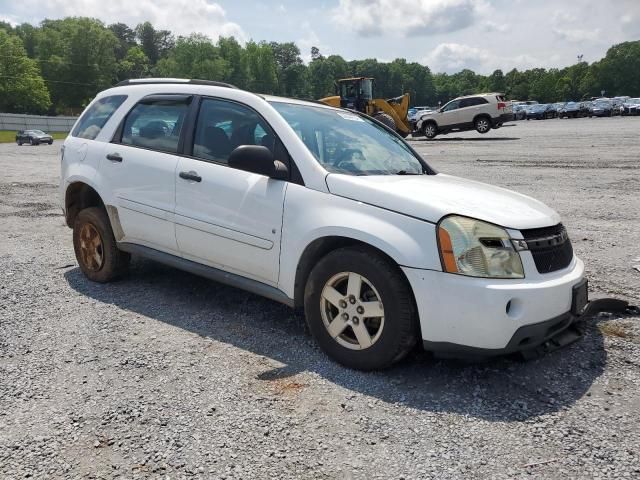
x=258, y=159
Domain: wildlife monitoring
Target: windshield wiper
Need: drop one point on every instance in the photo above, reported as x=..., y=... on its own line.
x=404, y=172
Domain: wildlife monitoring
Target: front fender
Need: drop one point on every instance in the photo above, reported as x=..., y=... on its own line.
x=310, y=215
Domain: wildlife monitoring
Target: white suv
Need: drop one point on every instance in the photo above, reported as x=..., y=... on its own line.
x=320, y=208
x=481, y=112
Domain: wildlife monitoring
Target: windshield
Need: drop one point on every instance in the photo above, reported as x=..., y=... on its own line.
x=37, y=132
x=344, y=142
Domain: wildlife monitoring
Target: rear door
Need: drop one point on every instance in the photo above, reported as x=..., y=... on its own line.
x=469, y=108
x=140, y=167
x=227, y=218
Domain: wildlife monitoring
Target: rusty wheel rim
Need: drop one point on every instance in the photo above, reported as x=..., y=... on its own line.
x=91, y=248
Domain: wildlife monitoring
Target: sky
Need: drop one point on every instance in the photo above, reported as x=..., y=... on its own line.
x=446, y=35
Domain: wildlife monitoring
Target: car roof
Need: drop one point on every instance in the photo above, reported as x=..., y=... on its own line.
x=153, y=86
x=492, y=94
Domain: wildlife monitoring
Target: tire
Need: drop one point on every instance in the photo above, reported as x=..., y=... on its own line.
x=50, y=142
x=19, y=143
x=482, y=124
x=31, y=141
x=430, y=129
x=386, y=119
x=95, y=246
x=388, y=338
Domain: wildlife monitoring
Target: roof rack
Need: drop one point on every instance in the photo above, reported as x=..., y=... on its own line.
x=193, y=81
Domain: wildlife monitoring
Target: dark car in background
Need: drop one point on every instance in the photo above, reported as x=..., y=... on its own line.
x=520, y=112
x=602, y=108
x=542, y=111
x=569, y=110
x=586, y=109
x=33, y=137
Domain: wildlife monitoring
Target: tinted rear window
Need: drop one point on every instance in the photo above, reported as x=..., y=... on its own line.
x=94, y=117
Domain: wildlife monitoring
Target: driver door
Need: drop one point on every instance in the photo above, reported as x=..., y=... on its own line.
x=228, y=218
x=450, y=114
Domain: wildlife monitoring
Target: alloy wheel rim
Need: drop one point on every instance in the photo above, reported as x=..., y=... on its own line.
x=482, y=125
x=91, y=248
x=352, y=310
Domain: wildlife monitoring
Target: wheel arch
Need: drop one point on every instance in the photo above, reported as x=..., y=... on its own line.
x=78, y=196
x=322, y=246
x=481, y=115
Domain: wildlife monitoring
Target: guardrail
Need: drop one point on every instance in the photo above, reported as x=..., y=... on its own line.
x=16, y=121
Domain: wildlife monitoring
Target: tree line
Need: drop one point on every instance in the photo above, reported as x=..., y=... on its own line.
x=58, y=66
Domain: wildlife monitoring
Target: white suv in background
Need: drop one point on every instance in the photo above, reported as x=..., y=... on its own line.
x=318, y=208
x=481, y=112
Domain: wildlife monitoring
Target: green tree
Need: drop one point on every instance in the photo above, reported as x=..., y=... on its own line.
x=134, y=65
x=155, y=44
x=22, y=88
x=263, y=76
x=235, y=56
x=194, y=56
x=126, y=39
x=77, y=58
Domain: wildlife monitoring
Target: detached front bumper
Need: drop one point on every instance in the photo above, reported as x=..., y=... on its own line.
x=464, y=316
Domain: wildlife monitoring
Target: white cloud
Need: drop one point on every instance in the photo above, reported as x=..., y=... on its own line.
x=311, y=39
x=182, y=17
x=577, y=35
x=453, y=57
x=405, y=17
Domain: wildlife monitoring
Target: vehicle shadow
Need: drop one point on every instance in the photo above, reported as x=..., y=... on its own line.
x=502, y=389
x=474, y=139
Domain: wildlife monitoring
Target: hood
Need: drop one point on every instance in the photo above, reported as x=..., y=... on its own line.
x=431, y=197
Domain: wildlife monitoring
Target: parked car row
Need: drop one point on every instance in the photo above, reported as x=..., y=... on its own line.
x=601, y=107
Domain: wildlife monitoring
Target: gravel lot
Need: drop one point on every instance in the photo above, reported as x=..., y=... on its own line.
x=168, y=375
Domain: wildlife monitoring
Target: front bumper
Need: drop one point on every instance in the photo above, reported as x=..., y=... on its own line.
x=493, y=316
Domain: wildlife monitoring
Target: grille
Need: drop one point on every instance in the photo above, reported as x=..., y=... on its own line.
x=550, y=247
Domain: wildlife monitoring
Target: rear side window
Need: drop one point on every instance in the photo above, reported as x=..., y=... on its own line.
x=472, y=102
x=155, y=123
x=94, y=118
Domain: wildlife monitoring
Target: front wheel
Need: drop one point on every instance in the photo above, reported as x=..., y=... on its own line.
x=95, y=246
x=430, y=130
x=483, y=125
x=360, y=309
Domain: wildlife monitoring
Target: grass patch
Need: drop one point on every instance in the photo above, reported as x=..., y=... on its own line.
x=9, y=136
x=610, y=329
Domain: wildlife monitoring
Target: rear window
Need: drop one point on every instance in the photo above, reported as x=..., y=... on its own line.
x=95, y=117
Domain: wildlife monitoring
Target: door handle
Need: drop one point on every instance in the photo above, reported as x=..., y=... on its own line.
x=191, y=175
x=114, y=157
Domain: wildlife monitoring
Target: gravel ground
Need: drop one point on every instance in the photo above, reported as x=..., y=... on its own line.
x=165, y=374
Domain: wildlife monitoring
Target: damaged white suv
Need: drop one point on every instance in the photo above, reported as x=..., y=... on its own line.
x=319, y=208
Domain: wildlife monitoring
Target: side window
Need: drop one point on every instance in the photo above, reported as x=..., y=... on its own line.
x=222, y=126
x=156, y=123
x=466, y=102
x=451, y=106
x=94, y=117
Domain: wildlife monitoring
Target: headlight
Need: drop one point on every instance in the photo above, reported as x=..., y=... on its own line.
x=477, y=249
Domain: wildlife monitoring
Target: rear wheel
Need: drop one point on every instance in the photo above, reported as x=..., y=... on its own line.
x=360, y=309
x=482, y=124
x=19, y=142
x=95, y=246
x=430, y=129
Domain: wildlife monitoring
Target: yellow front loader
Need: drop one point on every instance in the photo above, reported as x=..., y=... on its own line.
x=357, y=94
